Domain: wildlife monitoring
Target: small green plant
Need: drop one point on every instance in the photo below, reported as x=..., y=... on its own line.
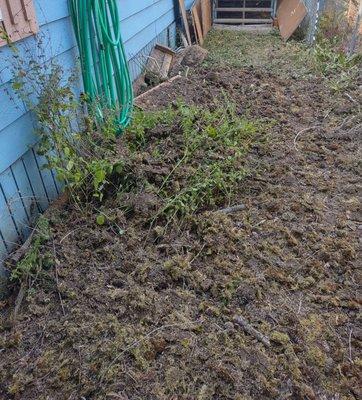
x=144, y=122
x=77, y=144
x=331, y=60
x=5, y=36
x=215, y=144
x=35, y=259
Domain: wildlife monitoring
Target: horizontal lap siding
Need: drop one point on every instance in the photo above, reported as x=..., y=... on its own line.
x=143, y=27
x=17, y=136
x=26, y=189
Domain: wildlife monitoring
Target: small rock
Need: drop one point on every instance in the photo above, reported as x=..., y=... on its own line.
x=245, y=294
x=118, y=283
x=229, y=326
x=288, y=216
x=329, y=364
x=159, y=231
x=159, y=344
x=213, y=76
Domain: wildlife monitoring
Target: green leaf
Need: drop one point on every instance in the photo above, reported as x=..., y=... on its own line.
x=67, y=151
x=100, y=175
x=70, y=165
x=101, y=219
x=17, y=85
x=118, y=168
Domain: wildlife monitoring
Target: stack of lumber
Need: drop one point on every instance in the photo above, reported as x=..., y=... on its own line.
x=200, y=19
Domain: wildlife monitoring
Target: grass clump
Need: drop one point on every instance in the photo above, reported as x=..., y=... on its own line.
x=326, y=58
x=267, y=51
x=331, y=59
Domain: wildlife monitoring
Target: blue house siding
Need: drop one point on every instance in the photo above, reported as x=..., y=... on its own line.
x=25, y=188
x=189, y=3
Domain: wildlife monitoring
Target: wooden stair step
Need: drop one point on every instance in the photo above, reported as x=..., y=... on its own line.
x=241, y=9
x=265, y=3
x=243, y=20
x=241, y=1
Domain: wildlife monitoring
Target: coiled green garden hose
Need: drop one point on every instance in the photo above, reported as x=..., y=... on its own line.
x=105, y=72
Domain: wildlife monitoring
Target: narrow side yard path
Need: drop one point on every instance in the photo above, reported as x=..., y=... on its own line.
x=260, y=303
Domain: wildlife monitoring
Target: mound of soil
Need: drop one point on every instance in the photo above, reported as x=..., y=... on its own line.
x=133, y=310
x=191, y=56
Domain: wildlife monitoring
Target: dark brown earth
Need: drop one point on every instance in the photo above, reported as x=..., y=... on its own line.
x=148, y=312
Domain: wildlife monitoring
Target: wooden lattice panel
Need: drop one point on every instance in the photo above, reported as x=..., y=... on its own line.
x=18, y=20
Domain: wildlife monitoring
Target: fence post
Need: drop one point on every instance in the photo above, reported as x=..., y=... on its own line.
x=356, y=32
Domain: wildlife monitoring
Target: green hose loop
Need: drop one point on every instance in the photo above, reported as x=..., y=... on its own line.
x=105, y=72
x=105, y=25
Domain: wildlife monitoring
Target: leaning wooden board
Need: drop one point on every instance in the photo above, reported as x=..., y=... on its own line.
x=206, y=16
x=290, y=14
x=195, y=11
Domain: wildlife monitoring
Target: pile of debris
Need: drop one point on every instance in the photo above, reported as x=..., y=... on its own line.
x=165, y=65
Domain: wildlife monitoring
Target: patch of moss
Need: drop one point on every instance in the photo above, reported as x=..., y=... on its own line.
x=316, y=356
x=280, y=338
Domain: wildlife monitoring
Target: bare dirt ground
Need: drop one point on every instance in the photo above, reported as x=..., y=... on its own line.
x=148, y=312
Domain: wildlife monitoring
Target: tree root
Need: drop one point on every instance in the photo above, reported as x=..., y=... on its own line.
x=251, y=331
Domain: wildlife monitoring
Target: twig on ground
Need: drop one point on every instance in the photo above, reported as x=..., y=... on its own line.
x=345, y=122
x=198, y=254
x=300, y=305
x=57, y=280
x=59, y=295
x=18, y=301
x=68, y=234
x=301, y=132
x=350, y=345
x=251, y=331
x=328, y=112
x=229, y=210
x=21, y=251
x=351, y=98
